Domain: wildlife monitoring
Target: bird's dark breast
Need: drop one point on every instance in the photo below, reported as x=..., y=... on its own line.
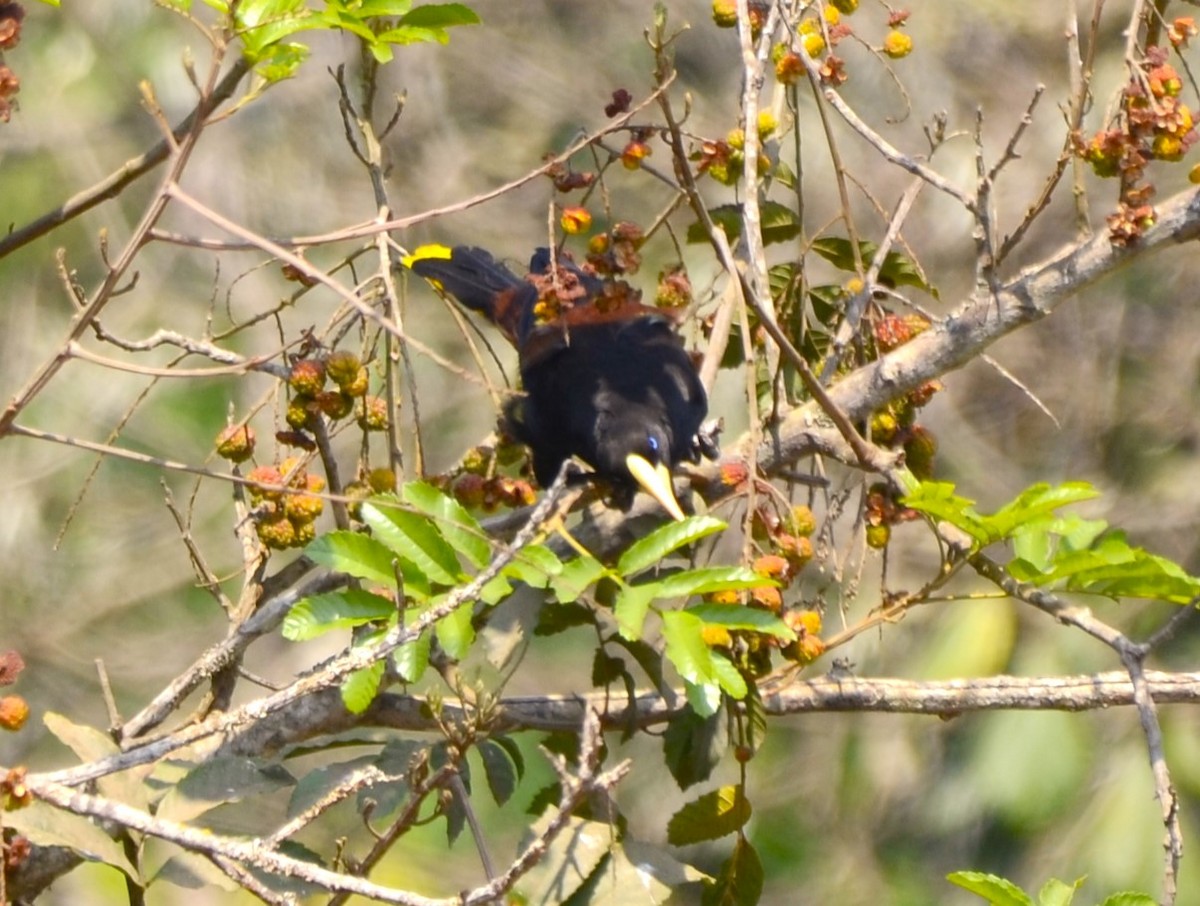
x=595, y=380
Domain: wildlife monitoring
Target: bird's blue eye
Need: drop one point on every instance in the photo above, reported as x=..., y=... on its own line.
x=653, y=442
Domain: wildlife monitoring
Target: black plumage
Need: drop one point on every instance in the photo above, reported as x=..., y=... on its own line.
x=605, y=378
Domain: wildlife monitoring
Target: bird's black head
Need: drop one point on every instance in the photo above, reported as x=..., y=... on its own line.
x=634, y=450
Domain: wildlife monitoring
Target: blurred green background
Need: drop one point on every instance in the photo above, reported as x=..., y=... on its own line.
x=870, y=809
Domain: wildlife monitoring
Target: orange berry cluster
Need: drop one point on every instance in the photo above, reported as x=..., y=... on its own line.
x=13, y=709
x=1153, y=123
x=286, y=503
x=310, y=399
x=787, y=540
x=895, y=425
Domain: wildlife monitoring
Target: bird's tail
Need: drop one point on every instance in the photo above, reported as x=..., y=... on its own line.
x=481, y=283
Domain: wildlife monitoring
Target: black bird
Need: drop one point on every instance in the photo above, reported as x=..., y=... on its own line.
x=605, y=377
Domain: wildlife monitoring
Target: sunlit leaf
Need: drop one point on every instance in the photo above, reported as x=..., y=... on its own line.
x=712, y=816
x=413, y=537
x=452, y=519
x=996, y=890
x=651, y=549
x=360, y=687
x=318, y=614
x=736, y=616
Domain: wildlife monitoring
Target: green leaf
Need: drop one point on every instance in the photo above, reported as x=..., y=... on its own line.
x=703, y=698
x=360, y=687
x=455, y=632
x=535, y=565
x=937, y=500
x=740, y=882
x=649, y=550
x=499, y=770
x=630, y=609
x=707, y=671
x=728, y=676
x=367, y=9
x=735, y=616
x=1036, y=502
x=898, y=270
x=220, y=781
x=44, y=825
x=412, y=658
x=712, y=816
x=575, y=578
x=779, y=223
x=1055, y=893
x=355, y=555
x=556, y=618
x=318, y=614
x=413, y=537
x=452, y=519
x=693, y=746
x=319, y=783
x=1130, y=898
x=279, y=61
x=441, y=15
x=689, y=582
x=997, y=891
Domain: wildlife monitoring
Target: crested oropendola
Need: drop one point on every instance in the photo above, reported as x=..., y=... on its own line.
x=605, y=378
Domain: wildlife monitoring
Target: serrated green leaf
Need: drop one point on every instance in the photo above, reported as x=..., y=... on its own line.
x=495, y=590
x=704, y=678
x=415, y=538
x=575, y=578
x=712, y=816
x=412, y=658
x=360, y=556
x=740, y=882
x=360, y=687
x=703, y=698
x=1056, y=893
x=693, y=746
x=1035, y=502
x=686, y=583
x=630, y=609
x=728, y=676
x=498, y=770
x=735, y=616
x=996, y=890
x=685, y=647
x=658, y=544
x=535, y=565
x=452, y=519
x=937, y=500
x=318, y=614
x=455, y=632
